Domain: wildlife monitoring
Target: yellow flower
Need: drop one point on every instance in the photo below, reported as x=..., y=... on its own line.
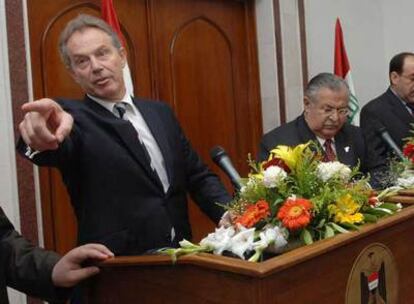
x=258, y=176
x=345, y=210
x=291, y=156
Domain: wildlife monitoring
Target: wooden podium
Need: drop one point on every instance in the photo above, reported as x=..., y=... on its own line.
x=324, y=272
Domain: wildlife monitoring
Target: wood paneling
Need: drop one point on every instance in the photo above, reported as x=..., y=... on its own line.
x=279, y=59
x=197, y=55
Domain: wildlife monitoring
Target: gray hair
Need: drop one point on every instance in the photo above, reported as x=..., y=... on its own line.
x=324, y=80
x=80, y=23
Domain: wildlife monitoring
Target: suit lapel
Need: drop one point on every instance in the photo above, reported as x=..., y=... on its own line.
x=398, y=108
x=157, y=128
x=127, y=133
x=305, y=134
x=344, y=149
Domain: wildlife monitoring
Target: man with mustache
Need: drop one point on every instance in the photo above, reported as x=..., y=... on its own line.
x=42, y=273
x=324, y=120
x=393, y=110
x=127, y=164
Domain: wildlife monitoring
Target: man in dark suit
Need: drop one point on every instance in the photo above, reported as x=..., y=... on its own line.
x=324, y=120
x=42, y=273
x=125, y=161
x=393, y=110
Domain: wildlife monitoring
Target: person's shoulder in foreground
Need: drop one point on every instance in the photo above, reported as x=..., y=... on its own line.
x=42, y=273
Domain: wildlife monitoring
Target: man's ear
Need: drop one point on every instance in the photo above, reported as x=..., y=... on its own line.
x=306, y=104
x=122, y=53
x=394, y=77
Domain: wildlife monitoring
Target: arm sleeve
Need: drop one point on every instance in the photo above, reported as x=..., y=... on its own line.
x=28, y=268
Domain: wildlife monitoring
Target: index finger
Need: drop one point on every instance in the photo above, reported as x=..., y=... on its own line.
x=41, y=106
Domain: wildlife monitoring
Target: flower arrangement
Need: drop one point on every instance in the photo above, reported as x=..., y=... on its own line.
x=401, y=172
x=408, y=149
x=291, y=198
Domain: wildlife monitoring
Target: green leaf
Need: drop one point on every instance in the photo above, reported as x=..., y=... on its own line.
x=338, y=228
x=321, y=223
x=370, y=218
x=306, y=236
x=390, y=206
x=379, y=212
x=350, y=226
x=329, y=232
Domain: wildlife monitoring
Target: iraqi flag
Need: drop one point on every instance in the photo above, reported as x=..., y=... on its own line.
x=343, y=69
x=109, y=15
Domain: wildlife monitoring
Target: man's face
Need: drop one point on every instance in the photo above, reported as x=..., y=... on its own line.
x=403, y=84
x=327, y=113
x=96, y=64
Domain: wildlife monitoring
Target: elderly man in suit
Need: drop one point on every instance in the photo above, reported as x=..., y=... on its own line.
x=125, y=161
x=393, y=110
x=39, y=272
x=324, y=120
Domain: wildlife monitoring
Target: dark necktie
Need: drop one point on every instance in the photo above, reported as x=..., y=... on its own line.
x=120, y=108
x=411, y=107
x=329, y=151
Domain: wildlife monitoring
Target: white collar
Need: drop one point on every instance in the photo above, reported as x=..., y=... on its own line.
x=322, y=140
x=109, y=104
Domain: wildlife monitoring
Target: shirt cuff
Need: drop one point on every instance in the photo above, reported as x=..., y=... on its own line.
x=30, y=153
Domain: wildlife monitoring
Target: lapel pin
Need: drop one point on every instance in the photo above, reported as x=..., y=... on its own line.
x=346, y=149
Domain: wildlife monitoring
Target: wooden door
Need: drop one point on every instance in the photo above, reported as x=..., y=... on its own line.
x=206, y=69
x=197, y=55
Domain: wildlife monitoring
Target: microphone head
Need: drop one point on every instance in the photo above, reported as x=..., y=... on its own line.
x=380, y=128
x=216, y=153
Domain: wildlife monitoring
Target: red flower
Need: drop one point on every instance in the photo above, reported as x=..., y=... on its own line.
x=373, y=200
x=254, y=213
x=276, y=162
x=295, y=213
x=409, y=151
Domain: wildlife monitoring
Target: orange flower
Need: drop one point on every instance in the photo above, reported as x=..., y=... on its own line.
x=295, y=213
x=254, y=213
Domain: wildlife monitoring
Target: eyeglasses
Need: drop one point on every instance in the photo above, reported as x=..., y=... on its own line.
x=329, y=111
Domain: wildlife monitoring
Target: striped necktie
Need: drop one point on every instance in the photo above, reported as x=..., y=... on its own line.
x=329, y=151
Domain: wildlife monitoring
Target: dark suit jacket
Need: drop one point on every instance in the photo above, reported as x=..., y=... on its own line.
x=385, y=111
x=118, y=199
x=298, y=132
x=25, y=267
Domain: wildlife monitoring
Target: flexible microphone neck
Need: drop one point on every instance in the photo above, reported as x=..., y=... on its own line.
x=221, y=159
x=382, y=131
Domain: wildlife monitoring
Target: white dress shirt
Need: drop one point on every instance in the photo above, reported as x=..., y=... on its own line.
x=144, y=134
x=322, y=143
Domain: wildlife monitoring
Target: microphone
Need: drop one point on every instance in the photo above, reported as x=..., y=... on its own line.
x=220, y=157
x=382, y=131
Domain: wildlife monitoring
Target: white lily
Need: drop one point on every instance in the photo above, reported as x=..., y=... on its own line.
x=272, y=239
x=242, y=241
x=406, y=181
x=219, y=240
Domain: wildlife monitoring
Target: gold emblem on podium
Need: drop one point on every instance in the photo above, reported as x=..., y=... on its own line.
x=373, y=278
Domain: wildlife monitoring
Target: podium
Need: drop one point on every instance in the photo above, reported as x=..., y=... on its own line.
x=328, y=271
